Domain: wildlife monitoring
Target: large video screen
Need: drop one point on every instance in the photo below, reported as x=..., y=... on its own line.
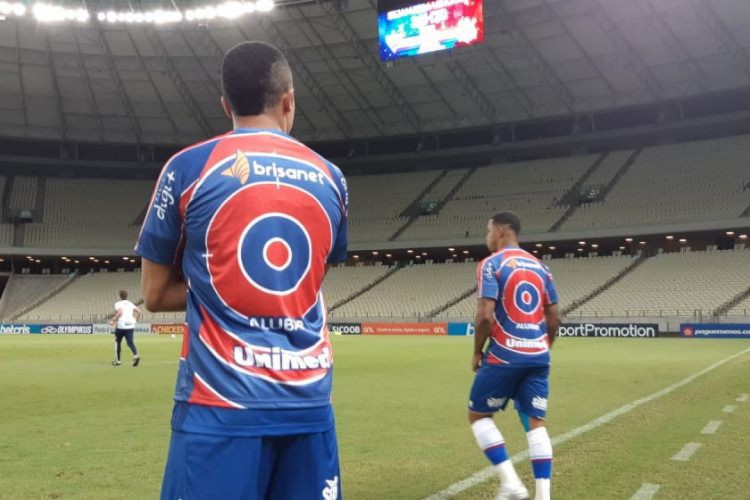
x=407, y=28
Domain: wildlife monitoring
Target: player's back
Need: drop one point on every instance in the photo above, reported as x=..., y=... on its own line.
x=524, y=288
x=259, y=216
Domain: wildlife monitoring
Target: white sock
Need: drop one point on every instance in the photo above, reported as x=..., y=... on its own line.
x=540, y=451
x=492, y=444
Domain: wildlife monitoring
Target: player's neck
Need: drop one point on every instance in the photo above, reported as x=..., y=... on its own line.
x=508, y=244
x=259, y=121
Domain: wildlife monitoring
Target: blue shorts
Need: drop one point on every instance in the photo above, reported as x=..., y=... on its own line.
x=208, y=467
x=495, y=385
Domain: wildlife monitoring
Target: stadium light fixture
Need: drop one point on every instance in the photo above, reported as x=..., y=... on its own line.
x=743, y=236
x=46, y=13
x=38, y=261
x=106, y=262
x=12, y=8
x=580, y=249
x=375, y=252
x=265, y=5
x=670, y=237
x=622, y=248
x=466, y=252
x=451, y=249
x=410, y=251
x=419, y=256
x=355, y=256
x=629, y=240
x=581, y=243
x=455, y=255
x=2, y=260
x=729, y=233
x=77, y=261
x=539, y=245
x=92, y=258
x=595, y=245
x=682, y=240
x=553, y=247
x=641, y=242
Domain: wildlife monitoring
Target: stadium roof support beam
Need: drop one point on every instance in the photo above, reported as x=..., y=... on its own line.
x=56, y=88
x=699, y=75
x=542, y=66
x=506, y=78
x=551, y=9
x=623, y=45
x=720, y=31
x=212, y=82
x=21, y=85
x=372, y=64
x=115, y=75
x=87, y=84
x=437, y=92
x=472, y=90
x=179, y=83
x=299, y=67
x=326, y=54
x=145, y=70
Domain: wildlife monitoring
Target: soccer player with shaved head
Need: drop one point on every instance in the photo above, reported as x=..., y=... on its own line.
x=239, y=233
x=516, y=323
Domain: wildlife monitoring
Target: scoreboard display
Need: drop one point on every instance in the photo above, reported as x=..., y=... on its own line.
x=408, y=28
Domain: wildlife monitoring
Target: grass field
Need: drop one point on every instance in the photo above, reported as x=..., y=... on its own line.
x=72, y=426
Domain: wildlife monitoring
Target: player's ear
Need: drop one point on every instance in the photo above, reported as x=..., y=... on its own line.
x=226, y=107
x=287, y=108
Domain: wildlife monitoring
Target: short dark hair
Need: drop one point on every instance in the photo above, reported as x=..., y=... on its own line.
x=508, y=218
x=123, y=294
x=254, y=75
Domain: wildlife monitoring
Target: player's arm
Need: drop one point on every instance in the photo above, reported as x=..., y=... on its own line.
x=482, y=329
x=552, y=317
x=163, y=288
x=137, y=313
x=116, y=316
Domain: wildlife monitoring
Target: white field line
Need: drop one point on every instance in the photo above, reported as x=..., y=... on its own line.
x=686, y=452
x=743, y=398
x=729, y=408
x=646, y=492
x=485, y=474
x=711, y=427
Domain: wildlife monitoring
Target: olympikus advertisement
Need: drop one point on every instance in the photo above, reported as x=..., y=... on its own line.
x=345, y=328
x=715, y=331
x=404, y=328
x=620, y=330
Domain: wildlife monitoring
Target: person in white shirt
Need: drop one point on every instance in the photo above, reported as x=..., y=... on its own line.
x=124, y=320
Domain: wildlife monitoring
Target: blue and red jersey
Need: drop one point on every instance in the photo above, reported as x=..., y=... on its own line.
x=252, y=218
x=521, y=286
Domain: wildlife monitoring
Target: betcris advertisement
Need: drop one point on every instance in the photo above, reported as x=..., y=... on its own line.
x=19, y=329
x=461, y=329
x=715, y=331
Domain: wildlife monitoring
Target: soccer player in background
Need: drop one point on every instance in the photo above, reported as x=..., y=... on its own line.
x=517, y=312
x=240, y=231
x=126, y=316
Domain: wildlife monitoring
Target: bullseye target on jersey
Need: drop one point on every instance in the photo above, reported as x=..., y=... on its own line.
x=523, y=297
x=266, y=248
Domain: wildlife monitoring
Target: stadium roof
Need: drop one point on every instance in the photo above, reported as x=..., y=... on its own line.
x=127, y=83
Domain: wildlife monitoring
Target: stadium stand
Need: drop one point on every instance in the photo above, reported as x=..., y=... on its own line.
x=90, y=297
x=6, y=235
x=81, y=213
x=24, y=290
x=531, y=188
x=687, y=182
x=344, y=281
x=23, y=194
x=377, y=202
x=575, y=278
x=413, y=291
x=675, y=284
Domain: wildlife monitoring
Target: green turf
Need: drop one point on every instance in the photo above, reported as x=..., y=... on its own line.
x=72, y=426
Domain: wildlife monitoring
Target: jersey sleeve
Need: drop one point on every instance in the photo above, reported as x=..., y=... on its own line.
x=487, y=285
x=162, y=227
x=550, y=290
x=341, y=234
